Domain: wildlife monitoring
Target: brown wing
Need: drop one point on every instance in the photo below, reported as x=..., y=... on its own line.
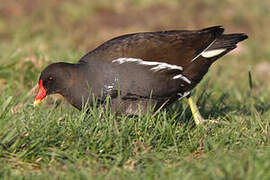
x=172, y=47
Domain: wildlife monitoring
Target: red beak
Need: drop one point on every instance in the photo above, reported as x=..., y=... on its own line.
x=41, y=94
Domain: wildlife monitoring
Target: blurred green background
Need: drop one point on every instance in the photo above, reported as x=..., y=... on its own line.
x=49, y=142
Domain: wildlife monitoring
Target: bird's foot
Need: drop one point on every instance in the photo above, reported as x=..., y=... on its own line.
x=198, y=119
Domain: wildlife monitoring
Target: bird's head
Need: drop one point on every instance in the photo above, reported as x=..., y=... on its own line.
x=53, y=79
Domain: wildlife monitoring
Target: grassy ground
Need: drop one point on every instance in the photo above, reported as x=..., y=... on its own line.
x=57, y=141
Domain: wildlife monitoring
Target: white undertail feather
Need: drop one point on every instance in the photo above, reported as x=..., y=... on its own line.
x=203, y=50
x=158, y=65
x=212, y=53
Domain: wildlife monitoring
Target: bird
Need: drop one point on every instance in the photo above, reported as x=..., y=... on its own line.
x=140, y=71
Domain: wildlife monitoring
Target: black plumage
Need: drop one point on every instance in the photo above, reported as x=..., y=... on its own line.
x=150, y=68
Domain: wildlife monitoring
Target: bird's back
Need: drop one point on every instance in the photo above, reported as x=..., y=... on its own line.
x=162, y=66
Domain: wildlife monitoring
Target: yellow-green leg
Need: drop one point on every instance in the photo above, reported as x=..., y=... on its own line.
x=195, y=112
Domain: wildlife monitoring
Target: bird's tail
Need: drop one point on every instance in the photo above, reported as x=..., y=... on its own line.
x=222, y=45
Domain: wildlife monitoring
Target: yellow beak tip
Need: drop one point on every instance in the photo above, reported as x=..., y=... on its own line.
x=37, y=102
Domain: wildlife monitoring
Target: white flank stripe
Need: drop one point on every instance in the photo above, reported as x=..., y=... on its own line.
x=180, y=76
x=166, y=66
x=158, y=65
x=183, y=95
x=212, y=53
x=203, y=51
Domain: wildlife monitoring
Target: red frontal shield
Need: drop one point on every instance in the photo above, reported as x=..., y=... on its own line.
x=41, y=94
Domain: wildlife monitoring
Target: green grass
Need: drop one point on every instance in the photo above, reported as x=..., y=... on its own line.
x=56, y=141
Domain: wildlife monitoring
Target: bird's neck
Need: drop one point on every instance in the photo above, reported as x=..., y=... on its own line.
x=76, y=90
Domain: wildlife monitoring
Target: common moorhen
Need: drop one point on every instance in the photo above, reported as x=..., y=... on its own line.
x=140, y=70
